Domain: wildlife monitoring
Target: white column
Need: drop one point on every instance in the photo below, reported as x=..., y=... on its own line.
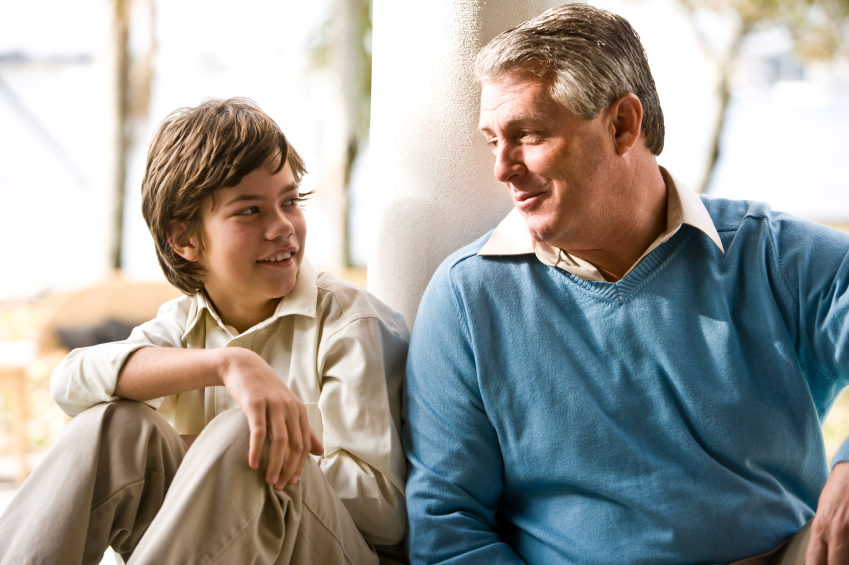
x=432, y=171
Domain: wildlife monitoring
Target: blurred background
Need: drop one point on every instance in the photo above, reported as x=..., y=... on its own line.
x=755, y=95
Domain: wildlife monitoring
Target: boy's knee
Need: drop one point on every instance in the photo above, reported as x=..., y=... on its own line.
x=226, y=436
x=117, y=417
x=230, y=428
x=124, y=423
x=226, y=439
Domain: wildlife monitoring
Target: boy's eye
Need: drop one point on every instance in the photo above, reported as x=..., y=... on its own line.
x=248, y=211
x=295, y=200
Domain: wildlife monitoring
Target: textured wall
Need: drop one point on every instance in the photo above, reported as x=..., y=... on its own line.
x=431, y=168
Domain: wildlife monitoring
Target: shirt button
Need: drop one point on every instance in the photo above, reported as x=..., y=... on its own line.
x=264, y=331
x=238, y=344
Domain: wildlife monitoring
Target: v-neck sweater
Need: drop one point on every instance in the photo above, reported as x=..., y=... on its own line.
x=671, y=417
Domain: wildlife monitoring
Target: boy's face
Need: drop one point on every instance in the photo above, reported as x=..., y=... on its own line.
x=253, y=242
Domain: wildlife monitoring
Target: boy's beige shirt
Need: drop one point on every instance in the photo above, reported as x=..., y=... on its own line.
x=338, y=348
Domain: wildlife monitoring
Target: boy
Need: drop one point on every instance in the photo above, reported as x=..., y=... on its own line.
x=264, y=361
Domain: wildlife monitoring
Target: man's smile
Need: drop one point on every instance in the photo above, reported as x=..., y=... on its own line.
x=526, y=199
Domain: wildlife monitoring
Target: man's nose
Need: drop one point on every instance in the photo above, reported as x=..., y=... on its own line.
x=508, y=162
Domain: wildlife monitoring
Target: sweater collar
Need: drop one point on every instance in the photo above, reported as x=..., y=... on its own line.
x=684, y=206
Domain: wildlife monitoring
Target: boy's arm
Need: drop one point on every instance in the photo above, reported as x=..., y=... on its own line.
x=161, y=365
x=266, y=401
x=362, y=372
x=89, y=375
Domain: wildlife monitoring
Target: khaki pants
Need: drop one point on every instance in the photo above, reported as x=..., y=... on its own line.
x=791, y=552
x=121, y=476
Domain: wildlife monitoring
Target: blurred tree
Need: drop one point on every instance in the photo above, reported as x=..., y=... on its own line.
x=818, y=29
x=133, y=49
x=343, y=44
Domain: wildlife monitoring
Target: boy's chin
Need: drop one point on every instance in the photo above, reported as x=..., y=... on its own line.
x=282, y=290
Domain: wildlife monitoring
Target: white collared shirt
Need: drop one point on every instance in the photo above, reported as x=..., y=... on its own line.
x=340, y=349
x=684, y=206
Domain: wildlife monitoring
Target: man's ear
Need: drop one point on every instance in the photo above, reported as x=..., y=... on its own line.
x=183, y=244
x=627, y=116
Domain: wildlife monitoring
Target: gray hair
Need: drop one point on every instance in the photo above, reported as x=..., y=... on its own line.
x=592, y=56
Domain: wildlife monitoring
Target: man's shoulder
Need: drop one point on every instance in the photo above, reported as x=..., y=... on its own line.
x=465, y=260
x=464, y=276
x=753, y=216
x=730, y=215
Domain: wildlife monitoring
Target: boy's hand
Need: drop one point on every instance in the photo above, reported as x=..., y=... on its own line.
x=273, y=410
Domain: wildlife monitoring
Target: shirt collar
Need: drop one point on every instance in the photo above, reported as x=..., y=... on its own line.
x=300, y=301
x=684, y=206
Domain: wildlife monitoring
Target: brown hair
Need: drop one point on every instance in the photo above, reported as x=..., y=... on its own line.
x=194, y=152
x=593, y=57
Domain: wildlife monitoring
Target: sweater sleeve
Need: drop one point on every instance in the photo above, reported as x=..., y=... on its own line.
x=455, y=463
x=814, y=263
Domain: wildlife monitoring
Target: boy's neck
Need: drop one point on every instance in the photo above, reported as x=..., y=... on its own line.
x=239, y=316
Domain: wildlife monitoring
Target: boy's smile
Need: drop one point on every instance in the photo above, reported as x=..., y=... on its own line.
x=253, y=238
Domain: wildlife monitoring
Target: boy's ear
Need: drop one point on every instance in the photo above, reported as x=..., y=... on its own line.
x=183, y=244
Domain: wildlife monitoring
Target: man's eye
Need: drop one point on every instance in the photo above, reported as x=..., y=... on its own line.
x=248, y=211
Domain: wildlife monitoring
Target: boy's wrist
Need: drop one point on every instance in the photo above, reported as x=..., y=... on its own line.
x=228, y=357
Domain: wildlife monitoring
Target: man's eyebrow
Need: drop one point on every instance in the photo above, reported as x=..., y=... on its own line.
x=257, y=197
x=518, y=119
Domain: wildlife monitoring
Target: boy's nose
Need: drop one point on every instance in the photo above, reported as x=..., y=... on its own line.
x=279, y=227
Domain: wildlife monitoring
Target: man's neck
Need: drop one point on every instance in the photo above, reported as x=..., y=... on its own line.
x=627, y=238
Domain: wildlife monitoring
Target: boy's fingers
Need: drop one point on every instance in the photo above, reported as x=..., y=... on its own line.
x=306, y=447
x=296, y=443
x=838, y=553
x=817, y=553
x=277, y=451
x=256, y=424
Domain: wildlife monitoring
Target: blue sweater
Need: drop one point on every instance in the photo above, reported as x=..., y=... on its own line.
x=671, y=417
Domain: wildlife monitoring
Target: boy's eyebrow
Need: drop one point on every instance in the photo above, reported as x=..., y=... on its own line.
x=256, y=197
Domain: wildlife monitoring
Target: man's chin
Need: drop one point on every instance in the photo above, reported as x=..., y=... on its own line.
x=541, y=229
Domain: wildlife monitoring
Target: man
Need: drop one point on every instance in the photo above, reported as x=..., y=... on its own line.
x=621, y=372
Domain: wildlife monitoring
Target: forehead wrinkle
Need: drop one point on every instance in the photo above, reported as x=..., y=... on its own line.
x=523, y=118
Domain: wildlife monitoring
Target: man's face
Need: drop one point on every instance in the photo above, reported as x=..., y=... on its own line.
x=555, y=164
x=253, y=240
